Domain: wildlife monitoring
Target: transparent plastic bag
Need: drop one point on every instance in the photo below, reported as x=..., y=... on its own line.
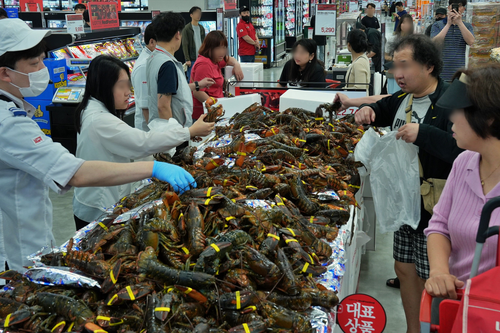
x=394, y=180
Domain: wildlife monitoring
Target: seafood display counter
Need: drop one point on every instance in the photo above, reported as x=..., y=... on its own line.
x=263, y=242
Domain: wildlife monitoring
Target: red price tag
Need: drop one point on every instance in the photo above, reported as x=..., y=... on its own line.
x=360, y=313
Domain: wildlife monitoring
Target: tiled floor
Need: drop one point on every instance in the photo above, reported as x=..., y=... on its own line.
x=376, y=266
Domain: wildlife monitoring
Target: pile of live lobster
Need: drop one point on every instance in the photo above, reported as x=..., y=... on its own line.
x=239, y=253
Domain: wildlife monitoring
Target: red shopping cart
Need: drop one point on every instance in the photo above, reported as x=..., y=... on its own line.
x=480, y=290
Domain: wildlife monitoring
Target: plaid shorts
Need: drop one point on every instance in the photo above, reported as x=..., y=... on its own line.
x=411, y=247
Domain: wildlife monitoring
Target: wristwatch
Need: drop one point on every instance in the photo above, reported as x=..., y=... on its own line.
x=197, y=85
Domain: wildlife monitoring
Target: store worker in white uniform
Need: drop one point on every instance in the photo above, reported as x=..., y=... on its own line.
x=103, y=136
x=30, y=163
x=139, y=78
x=170, y=96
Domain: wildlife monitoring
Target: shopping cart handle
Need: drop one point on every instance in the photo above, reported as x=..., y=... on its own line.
x=425, y=307
x=484, y=221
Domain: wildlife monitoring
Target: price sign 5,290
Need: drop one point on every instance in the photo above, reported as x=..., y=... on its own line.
x=329, y=30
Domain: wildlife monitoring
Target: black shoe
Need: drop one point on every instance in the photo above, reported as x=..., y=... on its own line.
x=393, y=283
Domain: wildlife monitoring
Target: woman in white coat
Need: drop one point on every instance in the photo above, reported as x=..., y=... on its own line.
x=103, y=136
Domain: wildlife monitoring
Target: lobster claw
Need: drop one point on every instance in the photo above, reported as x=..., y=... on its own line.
x=163, y=309
x=16, y=317
x=131, y=293
x=192, y=293
x=91, y=327
x=255, y=326
x=169, y=198
x=10, y=275
x=110, y=281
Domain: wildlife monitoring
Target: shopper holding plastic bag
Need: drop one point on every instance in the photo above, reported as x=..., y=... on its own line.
x=417, y=66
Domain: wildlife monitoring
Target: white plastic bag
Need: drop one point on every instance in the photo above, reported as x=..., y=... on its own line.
x=394, y=179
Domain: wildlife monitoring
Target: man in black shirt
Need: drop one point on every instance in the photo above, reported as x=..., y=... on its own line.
x=375, y=40
x=370, y=21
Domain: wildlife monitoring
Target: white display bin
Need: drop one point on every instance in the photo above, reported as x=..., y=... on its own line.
x=251, y=72
x=311, y=99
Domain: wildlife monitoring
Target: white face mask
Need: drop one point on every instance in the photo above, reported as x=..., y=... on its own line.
x=38, y=82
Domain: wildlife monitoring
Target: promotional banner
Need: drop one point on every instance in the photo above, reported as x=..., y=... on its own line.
x=326, y=20
x=230, y=4
x=103, y=15
x=86, y=2
x=31, y=5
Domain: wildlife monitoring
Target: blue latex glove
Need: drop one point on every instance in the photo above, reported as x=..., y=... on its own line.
x=180, y=179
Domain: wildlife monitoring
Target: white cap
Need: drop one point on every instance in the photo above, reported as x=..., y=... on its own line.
x=15, y=35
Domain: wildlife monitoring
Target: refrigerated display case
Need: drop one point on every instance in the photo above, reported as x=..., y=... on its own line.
x=140, y=19
x=279, y=24
x=58, y=4
x=268, y=18
x=231, y=19
x=122, y=43
x=9, y=3
x=135, y=5
x=306, y=13
x=33, y=19
x=56, y=19
x=293, y=24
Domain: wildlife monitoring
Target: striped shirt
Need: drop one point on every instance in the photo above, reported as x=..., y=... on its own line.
x=453, y=48
x=456, y=216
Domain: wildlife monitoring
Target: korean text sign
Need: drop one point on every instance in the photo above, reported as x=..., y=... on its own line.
x=359, y=313
x=103, y=15
x=326, y=20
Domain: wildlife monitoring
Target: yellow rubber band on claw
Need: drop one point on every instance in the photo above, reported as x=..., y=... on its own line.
x=291, y=231
x=100, y=331
x=319, y=119
x=304, y=269
x=186, y=251
x=273, y=236
x=188, y=290
x=214, y=163
x=291, y=240
x=209, y=191
x=245, y=327
x=57, y=325
x=117, y=323
x=7, y=320
x=241, y=153
x=70, y=327
x=238, y=300
x=311, y=219
x=112, y=276
x=103, y=226
x=216, y=248
x=252, y=307
x=208, y=201
x=112, y=299
x=280, y=204
x=162, y=309
x=230, y=218
x=130, y=293
x=103, y=318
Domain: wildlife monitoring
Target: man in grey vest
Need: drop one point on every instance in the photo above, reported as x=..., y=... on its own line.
x=170, y=96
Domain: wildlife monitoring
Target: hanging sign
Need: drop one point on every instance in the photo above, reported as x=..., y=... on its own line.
x=229, y=5
x=326, y=20
x=31, y=5
x=74, y=23
x=85, y=2
x=361, y=313
x=103, y=15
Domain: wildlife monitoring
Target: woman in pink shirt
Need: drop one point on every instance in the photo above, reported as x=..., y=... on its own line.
x=475, y=178
x=212, y=57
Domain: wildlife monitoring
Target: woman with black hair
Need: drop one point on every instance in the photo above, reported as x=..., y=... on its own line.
x=103, y=136
x=358, y=74
x=304, y=67
x=403, y=29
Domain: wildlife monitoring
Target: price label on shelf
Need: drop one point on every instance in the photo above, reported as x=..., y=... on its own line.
x=74, y=23
x=326, y=20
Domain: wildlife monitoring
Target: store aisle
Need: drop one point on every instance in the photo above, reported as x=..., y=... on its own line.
x=376, y=267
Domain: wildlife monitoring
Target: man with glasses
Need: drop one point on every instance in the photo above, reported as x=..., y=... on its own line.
x=417, y=65
x=453, y=35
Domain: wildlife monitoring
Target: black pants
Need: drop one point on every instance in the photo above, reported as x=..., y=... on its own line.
x=180, y=147
x=80, y=223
